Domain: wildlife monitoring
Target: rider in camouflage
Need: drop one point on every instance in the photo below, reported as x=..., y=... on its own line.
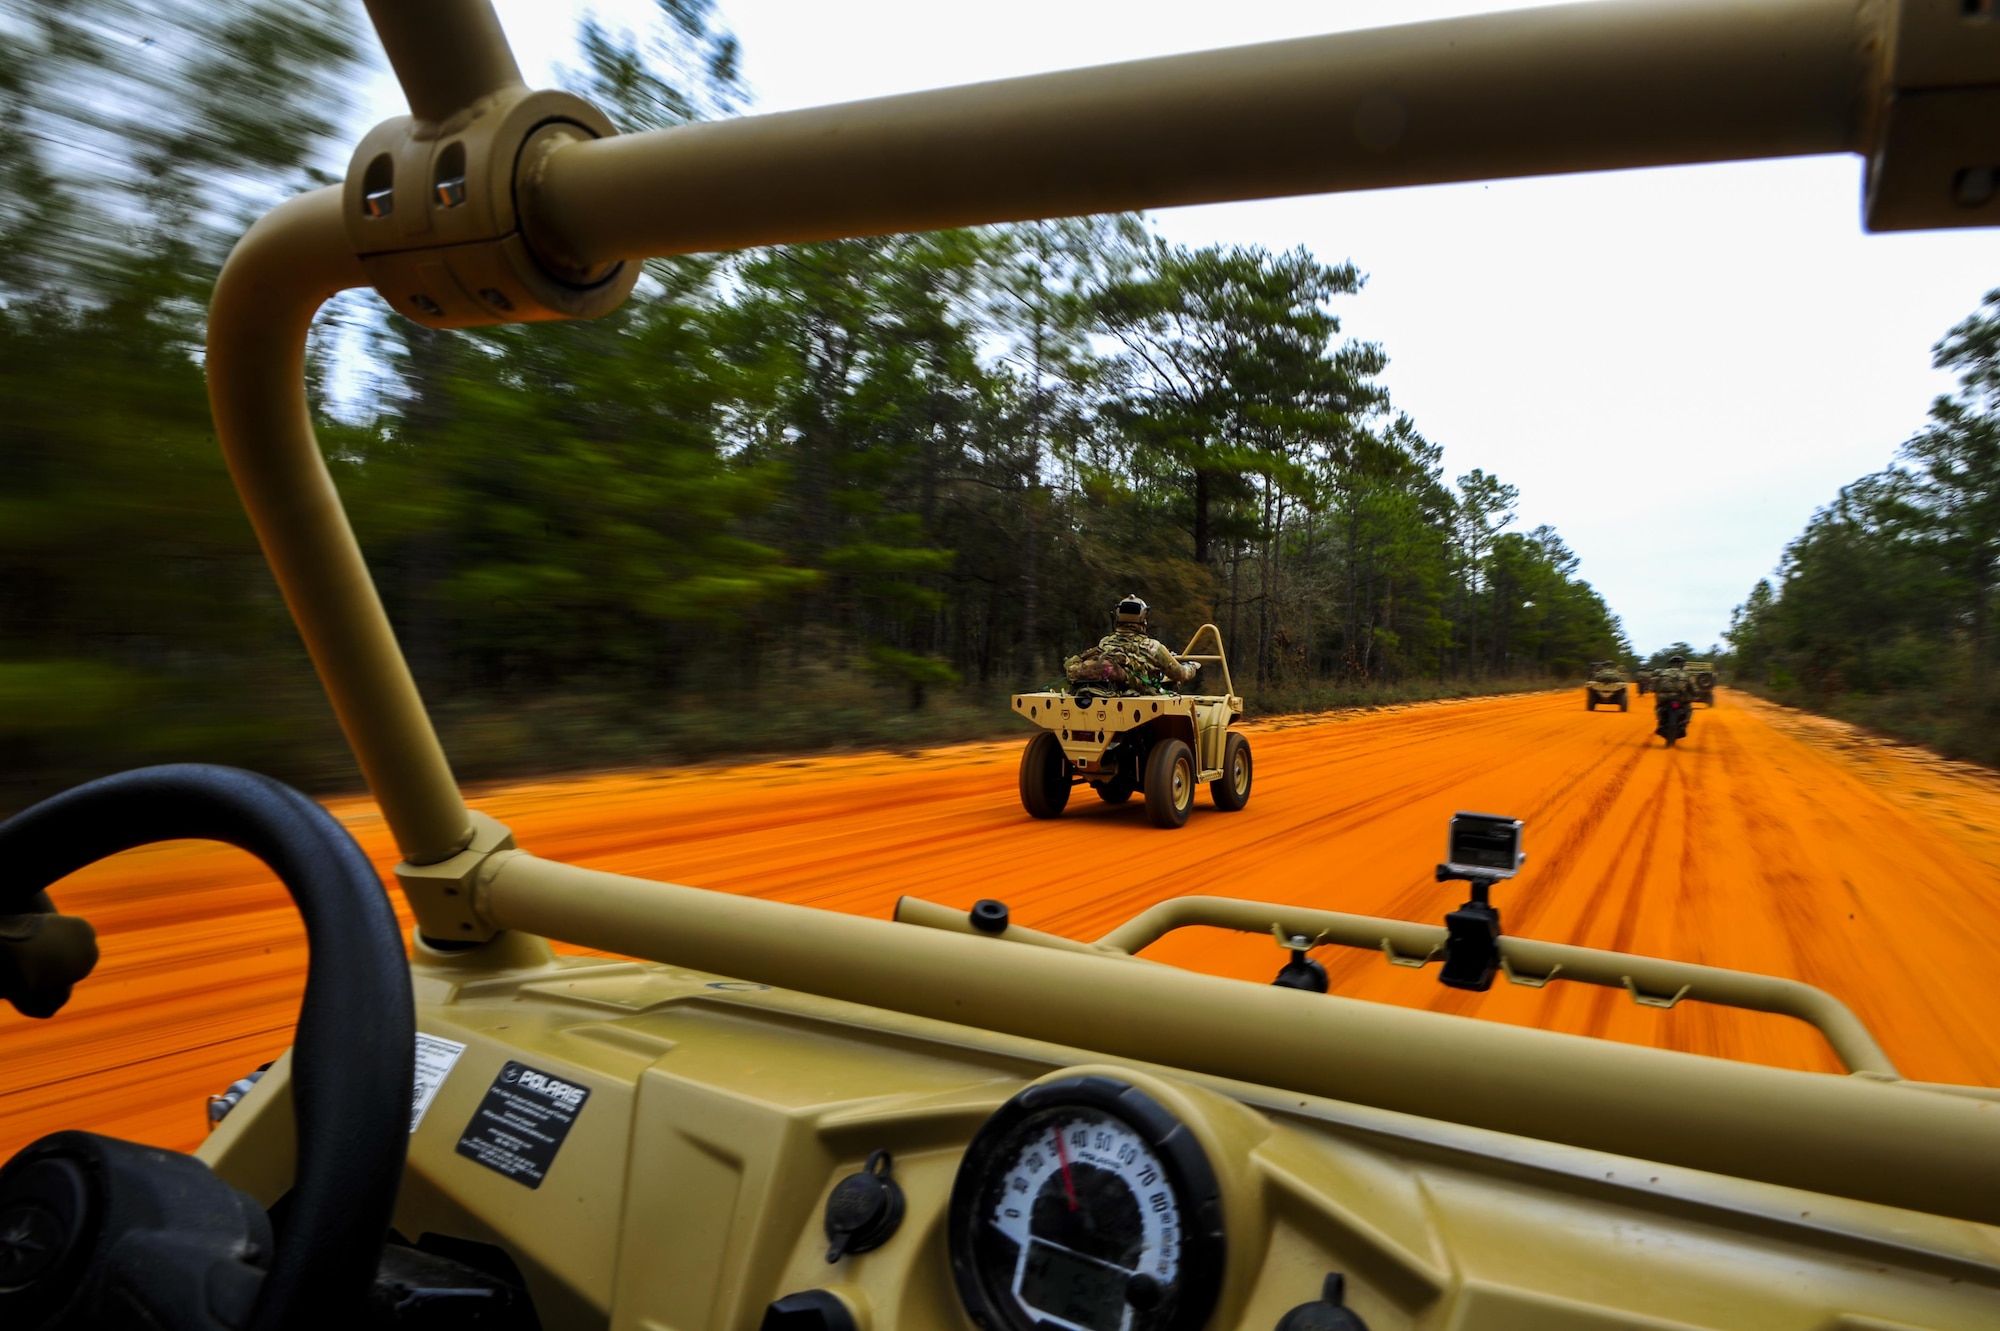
x=1127, y=658
x=1673, y=684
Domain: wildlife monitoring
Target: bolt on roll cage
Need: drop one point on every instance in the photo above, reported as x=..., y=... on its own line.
x=492, y=204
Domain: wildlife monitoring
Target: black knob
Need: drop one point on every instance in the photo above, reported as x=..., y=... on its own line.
x=1326, y=1313
x=808, y=1310
x=1302, y=972
x=989, y=916
x=863, y=1210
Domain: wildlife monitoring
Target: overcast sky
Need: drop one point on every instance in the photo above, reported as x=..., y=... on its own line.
x=1676, y=367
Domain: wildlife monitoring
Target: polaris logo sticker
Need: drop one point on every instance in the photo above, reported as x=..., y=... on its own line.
x=522, y=1122
x=435, y=1058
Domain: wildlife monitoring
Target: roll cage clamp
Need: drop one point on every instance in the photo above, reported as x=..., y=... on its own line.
x=440, y=215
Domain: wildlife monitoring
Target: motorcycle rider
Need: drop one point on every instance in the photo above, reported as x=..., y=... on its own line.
x=1670, y=686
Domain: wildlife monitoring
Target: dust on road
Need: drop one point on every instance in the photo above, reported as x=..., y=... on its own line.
x=1764, y=842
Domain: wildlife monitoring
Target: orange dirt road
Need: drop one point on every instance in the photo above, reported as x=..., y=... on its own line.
x=1768, y=841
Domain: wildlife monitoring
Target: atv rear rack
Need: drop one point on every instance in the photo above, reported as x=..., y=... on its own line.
x=1650, y=981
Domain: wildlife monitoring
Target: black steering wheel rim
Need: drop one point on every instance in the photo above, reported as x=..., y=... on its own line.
x=354, y=1053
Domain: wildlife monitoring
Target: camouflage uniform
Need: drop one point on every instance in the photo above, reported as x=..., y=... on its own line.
x=1673, y=684
x=1145, y=659
x=1127, y=661
x=1608, y=673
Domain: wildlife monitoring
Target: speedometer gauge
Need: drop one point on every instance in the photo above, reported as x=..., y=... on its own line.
x=1084, y=1205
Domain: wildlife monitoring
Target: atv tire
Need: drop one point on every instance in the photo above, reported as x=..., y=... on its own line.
x=1044, y=776
x=1169, y=784
x=1231, y=790
x=1115, y=792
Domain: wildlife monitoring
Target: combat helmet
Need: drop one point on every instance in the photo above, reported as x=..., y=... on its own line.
x=1131, y=612
x=1677, y=661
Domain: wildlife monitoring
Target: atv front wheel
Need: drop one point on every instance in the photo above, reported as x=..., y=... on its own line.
x=1169, y=784
x=1231, y=790
x=1044, y=776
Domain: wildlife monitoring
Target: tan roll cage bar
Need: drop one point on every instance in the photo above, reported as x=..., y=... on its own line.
x=1649, y=981
x=1218, y=658
x=494, y=204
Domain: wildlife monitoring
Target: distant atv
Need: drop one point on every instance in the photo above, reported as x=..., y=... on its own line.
x=1643, y=679
x=1704, y=681
x=1606, y=689
x=1160, y=745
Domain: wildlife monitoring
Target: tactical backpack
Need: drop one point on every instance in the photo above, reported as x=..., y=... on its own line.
x=1094, y=667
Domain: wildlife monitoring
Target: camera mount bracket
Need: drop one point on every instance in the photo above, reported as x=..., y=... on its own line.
x=1472, y=934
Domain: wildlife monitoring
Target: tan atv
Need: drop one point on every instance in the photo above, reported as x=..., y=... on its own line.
x=1704, y=681
x=1606, y=688
x=1117, y=741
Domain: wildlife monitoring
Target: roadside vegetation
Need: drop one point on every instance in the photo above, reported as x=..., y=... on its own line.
x=597, y=732
x=1882, y=611
x=825, y=494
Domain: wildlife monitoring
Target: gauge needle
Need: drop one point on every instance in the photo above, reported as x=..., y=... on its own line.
x=1069, y=1184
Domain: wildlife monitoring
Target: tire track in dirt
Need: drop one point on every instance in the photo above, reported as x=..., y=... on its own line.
x=1750, y=845
x=1633, y=887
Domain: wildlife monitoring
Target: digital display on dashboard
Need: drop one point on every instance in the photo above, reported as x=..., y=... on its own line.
x=1075, y=1288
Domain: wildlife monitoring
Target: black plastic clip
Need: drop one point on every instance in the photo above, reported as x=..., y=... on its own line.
x=1472, y=935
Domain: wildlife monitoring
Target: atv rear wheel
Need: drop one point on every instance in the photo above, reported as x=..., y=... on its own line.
x=1231, y=790
x=1044, y=776
x=1589, y=701
x=1169, y=784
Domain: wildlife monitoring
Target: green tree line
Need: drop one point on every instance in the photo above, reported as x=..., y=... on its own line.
x=1883, y=608
x=848, y=490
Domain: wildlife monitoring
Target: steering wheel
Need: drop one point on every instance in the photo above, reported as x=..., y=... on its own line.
x=97, y=1232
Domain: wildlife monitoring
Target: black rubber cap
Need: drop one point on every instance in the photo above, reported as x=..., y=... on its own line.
x=863, y=1210
x=1321, y=1317
x=989, y=916
x=1329, y=1312
x=809, y=1310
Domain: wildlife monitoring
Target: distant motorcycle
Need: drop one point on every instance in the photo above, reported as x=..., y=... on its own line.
x=1673, y=719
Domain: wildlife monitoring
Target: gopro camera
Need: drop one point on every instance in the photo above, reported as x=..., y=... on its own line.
x=1484, y=845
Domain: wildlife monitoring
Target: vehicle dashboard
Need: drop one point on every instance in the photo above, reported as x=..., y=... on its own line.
x=702, y=1125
